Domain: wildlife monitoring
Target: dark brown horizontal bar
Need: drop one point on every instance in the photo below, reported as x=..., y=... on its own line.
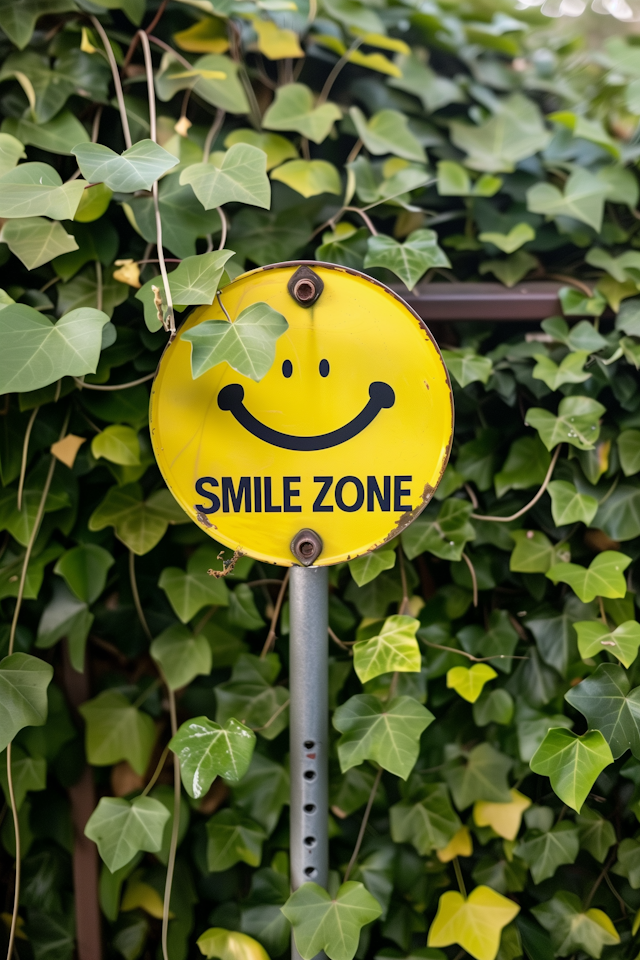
x=535, y=300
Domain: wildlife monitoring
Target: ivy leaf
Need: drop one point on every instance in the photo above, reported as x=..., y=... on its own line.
x=605, y=701
x=367, y=568
x=117, y=443
x=277, y=148
x=233, y=839
x=512, y=269
x=213, y=77
x=629, y=450
x=573, y=928
x=545, y=852
x=597, y=835
x=454, y=181
x=569, y=506
x=240, y=177
x=556, y=640
x=514, y=132
x=189, y=592
x=444, y=537
x=572, y=763
x=577, y=423
x=293, y=109
x=116, y=731
x=503, y=818
x=628, y=864
x=428, y=823
x=263, y=791
x=121, y=828
x=409, y=260
x=37, y=352
x=182, y=216
x=466, y=366
x=23, y=694
x=332, y=925
x=509, y=242
x=582, y=199
x=388, y=733
x=555, y=375
x=194, y=281
x=56, y=135
x=535, y=553
x=468, y=682
x=595, y=638
x=474, y=923
x=136, y=169
x=85, y=570
x=36, y=241
x=251, y=697
x=207, y=750
x=28, y=774
x=248, y=344
x=602, y=578
x=140, y=524
x=181, y=655
x=36, y=190
x=482, y=776
x=395, y=648
x=387, y=131
x=230, y=944
x=309, y=177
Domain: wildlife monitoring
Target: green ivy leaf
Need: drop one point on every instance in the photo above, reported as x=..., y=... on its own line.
x=555, y=375
x=57, y=135
x=37, y=352
x=207, y=750
x=569, y=506
x=248, y=344
x=240, y=176
x=577, y=423
x=597, y=835
x=23, y=694
x=181, y=655
x=140, y=524
x=603, y=578
x=535, y=553
x=121, y=828
x=509, y=242
x=572, y=928
x=387, y=131
x=605, y=701
x=545, y=852
x=526, y=466
x=572, y=763
x=309, y=177
x=117, y=443
x=367, y=568
x=194, y=281
x=628, y=864
x=514, y=132
x=36, y=190
x=27, y=773
x=512, y=269
x=116, y=731
x=251, y=697
x=263, y=791
x=445, y=536
x=135, y=169
x=85, y=570
x=277, y=148
x=469, y=682
x=189, y=592
x=582, y=199
x=629, y=450
x=388, y=734
x=429, y=822
x=595, y=638
x=394, y=649
x=182, y=216
x=454, y=181
x=409, y=260
x=36, y=241
x=293, y=109
x=466, y=366
x=333, y=925
x=230, y=945
x=213, y=77
x=233, y=839
x=481, y=776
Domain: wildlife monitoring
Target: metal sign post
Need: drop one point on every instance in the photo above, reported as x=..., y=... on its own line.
x=331, y=454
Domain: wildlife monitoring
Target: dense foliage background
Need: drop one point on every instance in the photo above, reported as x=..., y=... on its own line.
x=415, y=139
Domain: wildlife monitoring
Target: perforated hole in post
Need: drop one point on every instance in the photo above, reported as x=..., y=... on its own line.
x=309, y=808
x=309, y=841
x=309, y=774
x=310, y=871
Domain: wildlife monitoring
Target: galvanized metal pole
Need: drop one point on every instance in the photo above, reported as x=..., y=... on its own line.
x=309, y=727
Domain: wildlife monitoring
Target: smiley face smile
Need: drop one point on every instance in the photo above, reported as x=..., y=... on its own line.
x=381, y=396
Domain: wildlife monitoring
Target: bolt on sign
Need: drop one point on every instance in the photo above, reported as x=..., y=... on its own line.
x=336, y=449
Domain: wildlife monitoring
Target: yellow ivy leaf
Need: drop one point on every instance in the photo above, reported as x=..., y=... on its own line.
x=66, y=450
x=139, y=894
x=504, y=818
x=205, y=74
x=230, y=945
x=601, y=918
x=460, y=845
x=475, y=924
x=469, y=681
x=128, y=272
x=183, y=126
x=7, y=918
x=275, y=43
x=616, y=292
x=636, y=924
x=309, y=177
x=85, y=44
x=375, y=61
x=379, y=40
x=206, y=36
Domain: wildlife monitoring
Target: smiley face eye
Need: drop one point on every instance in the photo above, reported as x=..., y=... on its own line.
x=287, y=369
x=324, y=368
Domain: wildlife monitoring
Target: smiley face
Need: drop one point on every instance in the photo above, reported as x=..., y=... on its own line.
x=348, y=433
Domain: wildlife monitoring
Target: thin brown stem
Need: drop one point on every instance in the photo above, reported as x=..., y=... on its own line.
x=173, y=846
x=95, y=128
x=204, y=621
x=459, y=877
x=365, y=217
x=472, y=495
x=339, y=642
x=276, y=614
x=363, y=825
x=16, y=827
x=156, y=772
x=214, y=130
x=474, y=579
x=222, y=306
x=115, y=386
x=124, y=119
x=25, y=451
x=225, y=226
x=470, y=656
x=337, y=69
x=519, y=513
x=274, y=716
x=136, y=596
x=174, y=53
x=355, y=150
x=136, y=38
x=600, y=878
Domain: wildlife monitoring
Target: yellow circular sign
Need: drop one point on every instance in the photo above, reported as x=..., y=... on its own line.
x=347, y=435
